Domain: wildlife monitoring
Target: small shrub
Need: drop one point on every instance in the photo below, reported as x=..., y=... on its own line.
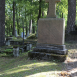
x=20, y=51
x=15, y=46
x=33, y=36
x=8, y=51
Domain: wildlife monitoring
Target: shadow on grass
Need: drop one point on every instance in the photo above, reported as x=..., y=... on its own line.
x=22, y=66
x=71, y=45
x=25, y=71
x=32, y=70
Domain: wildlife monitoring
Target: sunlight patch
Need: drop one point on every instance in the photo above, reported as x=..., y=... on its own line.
x=45, y=74
x=28, y=67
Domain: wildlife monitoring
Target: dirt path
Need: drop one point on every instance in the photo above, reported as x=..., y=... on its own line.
x=70, y=65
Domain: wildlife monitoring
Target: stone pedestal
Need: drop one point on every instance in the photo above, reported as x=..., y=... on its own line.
x=49, y=52
x=50, y=44
x=16, y=52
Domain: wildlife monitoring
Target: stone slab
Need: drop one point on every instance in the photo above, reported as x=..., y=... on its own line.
x=46, y=56
x=51, y=31
x=50, y=50
x=60, y=47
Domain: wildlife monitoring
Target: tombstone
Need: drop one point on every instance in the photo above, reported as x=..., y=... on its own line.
x=22, y=35
x=29, y=46
x=16, y=33
x=8, y=40
x=51, y=34
x=16, y=52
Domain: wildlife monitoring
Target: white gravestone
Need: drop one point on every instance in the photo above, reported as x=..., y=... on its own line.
x=16, y=52
x=22, y=35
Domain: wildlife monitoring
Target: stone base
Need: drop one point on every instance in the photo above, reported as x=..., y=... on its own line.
x=49, y=52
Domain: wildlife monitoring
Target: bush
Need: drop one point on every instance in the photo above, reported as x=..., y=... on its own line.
x=33, y=36
x=9, y=51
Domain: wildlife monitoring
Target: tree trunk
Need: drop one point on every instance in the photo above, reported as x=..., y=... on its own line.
x=39, y=15
x=26, y=22
x=33, y=29
x=26, y=28
x=13, y=18
x=71, y=15
x=9, y=28
x=2, y=22
x=17, y=21
x=30, y=26
x=42, y=14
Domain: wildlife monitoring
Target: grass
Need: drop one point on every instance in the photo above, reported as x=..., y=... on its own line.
x=23, y=67
x=32, y=37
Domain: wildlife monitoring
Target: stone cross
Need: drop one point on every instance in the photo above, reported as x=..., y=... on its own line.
x=52, y=8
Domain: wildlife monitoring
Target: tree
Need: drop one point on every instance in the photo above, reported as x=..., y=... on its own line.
x=39, y=15
x=30, y=11
x=30, y=24
x=14, y=18
x=2, y=22
x=71, y=15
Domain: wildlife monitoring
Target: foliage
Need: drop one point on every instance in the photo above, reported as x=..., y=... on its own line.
x=32, y=36
x=29, y=9
x=62, y=7
x=15, y=46
x=23, y=67
x=8, y=50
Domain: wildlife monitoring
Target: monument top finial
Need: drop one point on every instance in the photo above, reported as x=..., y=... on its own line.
x=52, y=8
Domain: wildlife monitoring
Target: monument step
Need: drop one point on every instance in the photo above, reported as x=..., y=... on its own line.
x=51, y=50
x=61, y=47
x=46, y=56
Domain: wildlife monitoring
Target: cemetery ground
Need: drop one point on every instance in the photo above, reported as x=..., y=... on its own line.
x=22, y=66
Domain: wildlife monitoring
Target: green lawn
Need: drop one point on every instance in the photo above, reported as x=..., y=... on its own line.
x=23, y=67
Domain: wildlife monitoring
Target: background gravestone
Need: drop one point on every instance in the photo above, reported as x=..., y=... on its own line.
x=51, y=32
x=22, y=35
x=16, y=33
